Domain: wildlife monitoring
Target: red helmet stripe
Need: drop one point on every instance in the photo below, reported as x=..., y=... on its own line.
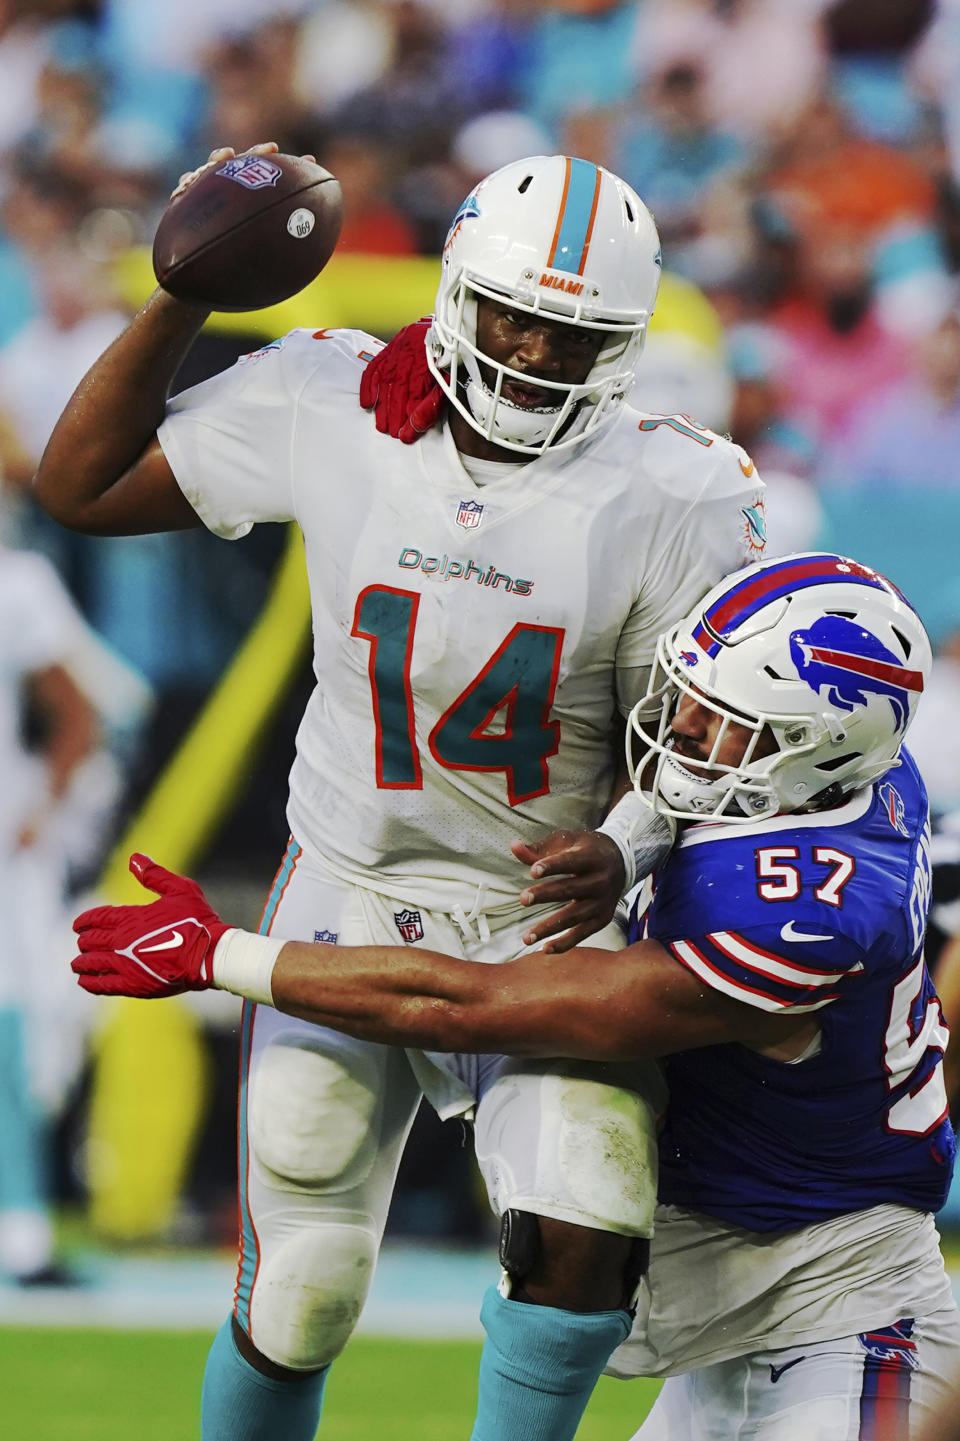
x=877, y=669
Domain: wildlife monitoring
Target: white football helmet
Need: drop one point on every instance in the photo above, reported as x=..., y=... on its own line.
x=818, y=652
x=553, y=236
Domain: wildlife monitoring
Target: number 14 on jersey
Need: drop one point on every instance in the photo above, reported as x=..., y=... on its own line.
x=499, y=722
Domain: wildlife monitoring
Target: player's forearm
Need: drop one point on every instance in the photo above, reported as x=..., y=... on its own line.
x=570, y=1005
x=113, y=415
x=391, y=994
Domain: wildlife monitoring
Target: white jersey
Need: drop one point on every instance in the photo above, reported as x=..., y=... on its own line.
x=472, y=644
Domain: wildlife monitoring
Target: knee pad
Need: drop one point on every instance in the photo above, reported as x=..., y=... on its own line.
x=309, y=1293
x=562, y=1143
x=311, y=1115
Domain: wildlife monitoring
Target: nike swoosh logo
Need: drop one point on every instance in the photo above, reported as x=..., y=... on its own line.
x=787, y=933
x=777, y=1371
x=747, y=469
x=164, y=945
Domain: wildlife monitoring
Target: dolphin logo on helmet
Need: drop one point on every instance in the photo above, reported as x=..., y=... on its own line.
x=469, y=210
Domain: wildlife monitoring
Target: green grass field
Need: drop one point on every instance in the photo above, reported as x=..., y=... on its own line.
x=100, y=1385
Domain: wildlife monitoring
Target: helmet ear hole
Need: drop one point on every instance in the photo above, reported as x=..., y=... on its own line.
x=904, y=641
x=835, y=762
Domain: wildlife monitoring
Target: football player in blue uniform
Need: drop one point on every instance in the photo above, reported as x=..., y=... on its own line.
x=796, y=1287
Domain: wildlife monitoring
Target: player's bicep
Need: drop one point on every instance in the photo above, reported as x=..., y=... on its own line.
x=613, y=1005
x=145, y=499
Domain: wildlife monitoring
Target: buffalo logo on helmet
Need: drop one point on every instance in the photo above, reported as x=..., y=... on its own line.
x=850, y=664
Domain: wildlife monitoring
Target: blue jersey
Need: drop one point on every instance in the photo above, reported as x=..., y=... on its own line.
x=823, y=914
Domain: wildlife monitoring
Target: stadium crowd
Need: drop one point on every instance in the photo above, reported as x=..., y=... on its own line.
x=802, y=161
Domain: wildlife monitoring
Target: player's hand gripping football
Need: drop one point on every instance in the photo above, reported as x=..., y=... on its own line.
x=160, y=949
x=226, y=152
x=585, y=877
x=398, y=385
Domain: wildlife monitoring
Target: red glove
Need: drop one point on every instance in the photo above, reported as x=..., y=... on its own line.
x=398, y=384
x=161, y=949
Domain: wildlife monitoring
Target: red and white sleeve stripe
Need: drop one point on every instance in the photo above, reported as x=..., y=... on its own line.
x=730, y=962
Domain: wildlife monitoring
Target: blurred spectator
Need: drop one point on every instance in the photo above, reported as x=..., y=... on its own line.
x=37, y=632
x=828, y=175
x=490, y=52
x=344, y=48
x=909, y=433
x=928, y=146
x=836, y=353
x=416, y=101
x=579, y=57
x=668, y=150
x=253, y=91
x=44, y=361
x=39, y=210
x=871, y=42
x=26, y=44
x=889, y=481
x=372, y=223
x=880, y=201
x=757, y=421
x=935, y=72
x=762, y=59
x=69, y=105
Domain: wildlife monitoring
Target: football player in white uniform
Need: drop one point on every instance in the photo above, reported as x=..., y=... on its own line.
x=485, y=610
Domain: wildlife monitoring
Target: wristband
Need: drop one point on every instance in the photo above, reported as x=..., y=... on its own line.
x=243, y=963
x=642, y=836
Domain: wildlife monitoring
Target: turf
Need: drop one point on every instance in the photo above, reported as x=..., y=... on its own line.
x=98, y=1385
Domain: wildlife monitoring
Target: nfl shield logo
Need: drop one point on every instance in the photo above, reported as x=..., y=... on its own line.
x=253, y=171
x=326, y=938
x=469, y=514
x=409, y=925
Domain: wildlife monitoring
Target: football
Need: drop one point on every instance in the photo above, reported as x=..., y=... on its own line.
x=249, y=232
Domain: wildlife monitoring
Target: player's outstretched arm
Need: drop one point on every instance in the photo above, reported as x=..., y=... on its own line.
x=590, y=1004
